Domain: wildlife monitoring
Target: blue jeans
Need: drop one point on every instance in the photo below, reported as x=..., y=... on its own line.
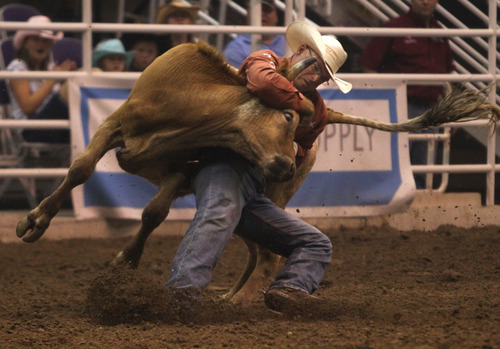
x=229, y=195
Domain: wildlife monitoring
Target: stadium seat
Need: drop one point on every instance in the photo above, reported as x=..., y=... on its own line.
x=7, y=52
x=68, y=48
x=16, y=13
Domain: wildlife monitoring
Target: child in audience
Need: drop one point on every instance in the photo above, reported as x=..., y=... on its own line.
x=110, y=56
x=36, y=98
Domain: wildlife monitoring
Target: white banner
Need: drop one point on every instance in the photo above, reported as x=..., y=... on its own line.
x=359, y=171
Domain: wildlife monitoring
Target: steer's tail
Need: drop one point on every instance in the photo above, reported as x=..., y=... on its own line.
x=457, y=106
x=108, y=136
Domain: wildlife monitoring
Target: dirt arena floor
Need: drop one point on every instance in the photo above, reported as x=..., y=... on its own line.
x=383, y=289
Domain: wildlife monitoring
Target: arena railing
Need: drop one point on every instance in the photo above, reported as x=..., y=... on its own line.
x=87, y=27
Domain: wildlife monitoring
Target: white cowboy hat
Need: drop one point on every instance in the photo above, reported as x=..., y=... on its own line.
x=165, y=10
x=47, y=34
x=327, y=47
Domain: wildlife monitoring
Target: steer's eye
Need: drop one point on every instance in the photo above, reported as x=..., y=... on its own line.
x=288, y=116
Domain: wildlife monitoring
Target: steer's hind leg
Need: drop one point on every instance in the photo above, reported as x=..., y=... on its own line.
x=153, y=215
x=249, y=268
x=262, y=263
x=259, y=271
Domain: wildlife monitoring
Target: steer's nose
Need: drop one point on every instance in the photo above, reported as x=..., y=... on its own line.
x=291, y=171
x=281, y=169
x=288, y=171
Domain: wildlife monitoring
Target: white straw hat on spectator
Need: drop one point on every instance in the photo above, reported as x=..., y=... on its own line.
x=165, y=10
x=43, y=33
x=327, y=47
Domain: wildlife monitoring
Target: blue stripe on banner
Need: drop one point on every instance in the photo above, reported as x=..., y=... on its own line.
x=96, y=93
x=353, y=188
x=112, y=189
x=322, y=189
x=124, y=190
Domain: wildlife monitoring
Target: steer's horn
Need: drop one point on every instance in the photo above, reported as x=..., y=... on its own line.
x=299, y=67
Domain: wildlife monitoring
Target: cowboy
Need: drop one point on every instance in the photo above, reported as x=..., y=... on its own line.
x=230, y=191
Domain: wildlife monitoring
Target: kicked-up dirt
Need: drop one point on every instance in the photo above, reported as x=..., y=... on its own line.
x=383, y=289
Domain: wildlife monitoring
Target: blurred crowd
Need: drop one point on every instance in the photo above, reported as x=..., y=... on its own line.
x=134, y=52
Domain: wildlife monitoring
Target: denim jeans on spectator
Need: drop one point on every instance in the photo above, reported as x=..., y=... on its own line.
x=227, y=191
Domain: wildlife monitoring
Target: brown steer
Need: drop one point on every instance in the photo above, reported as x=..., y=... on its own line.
x=188, y=99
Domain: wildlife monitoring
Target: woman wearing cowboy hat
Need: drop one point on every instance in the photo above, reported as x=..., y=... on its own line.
x=230, y=192
x=35, y=98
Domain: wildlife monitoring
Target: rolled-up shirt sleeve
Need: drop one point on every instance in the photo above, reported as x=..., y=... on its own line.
x=264, y=81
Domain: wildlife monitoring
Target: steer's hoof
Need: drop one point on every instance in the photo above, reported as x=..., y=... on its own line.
x=29, y=230
x=121, y=260
x=23, y=226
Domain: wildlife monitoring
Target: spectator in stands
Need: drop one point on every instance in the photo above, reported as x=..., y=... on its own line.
x=175, y=12
x=408, y=54
x=36, y=98
x=145, y=47
x=110, y=56
x=240, y=47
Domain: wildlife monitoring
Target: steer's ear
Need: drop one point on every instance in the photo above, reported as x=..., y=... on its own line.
x=306, y=111
x=283, y=67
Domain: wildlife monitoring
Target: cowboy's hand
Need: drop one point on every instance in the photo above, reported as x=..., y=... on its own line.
x=306, y=111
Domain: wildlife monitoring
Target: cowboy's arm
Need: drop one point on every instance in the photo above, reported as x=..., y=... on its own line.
x=264, y=81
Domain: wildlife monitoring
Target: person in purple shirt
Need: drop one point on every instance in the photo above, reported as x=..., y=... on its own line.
x=414, y=55
x=240, y=47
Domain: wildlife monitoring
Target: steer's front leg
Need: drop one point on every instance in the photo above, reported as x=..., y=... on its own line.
x=31, y=227
x=153, y=215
